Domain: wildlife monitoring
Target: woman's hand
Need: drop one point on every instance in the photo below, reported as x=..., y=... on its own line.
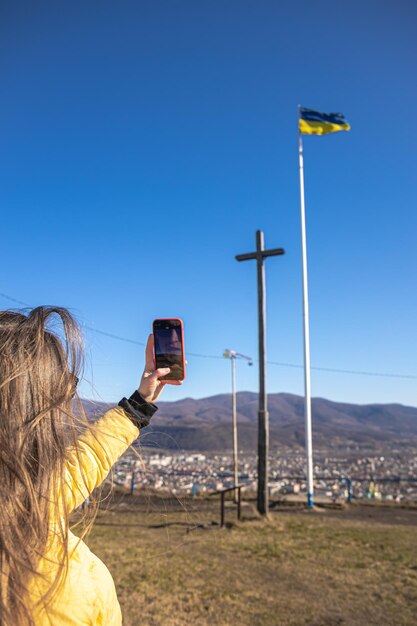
x=151, y=387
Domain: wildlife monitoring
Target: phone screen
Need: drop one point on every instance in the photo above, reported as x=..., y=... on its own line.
x=168, y=336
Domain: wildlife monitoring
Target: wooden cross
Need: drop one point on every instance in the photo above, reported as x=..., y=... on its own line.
x=263, y=417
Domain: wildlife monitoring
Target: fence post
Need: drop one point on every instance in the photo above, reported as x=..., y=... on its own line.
x=132, y=481
x=349, y=488
x=222, y=509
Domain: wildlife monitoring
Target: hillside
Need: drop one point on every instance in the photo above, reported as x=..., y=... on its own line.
x=205, y=424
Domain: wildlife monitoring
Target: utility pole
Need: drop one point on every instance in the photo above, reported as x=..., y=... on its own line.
x=233, y=355
x=263, y=417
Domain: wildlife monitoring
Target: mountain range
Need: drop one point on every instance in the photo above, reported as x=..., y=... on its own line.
x=206, y=424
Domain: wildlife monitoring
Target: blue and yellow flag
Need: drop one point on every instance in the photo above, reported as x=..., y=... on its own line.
x=315, y=123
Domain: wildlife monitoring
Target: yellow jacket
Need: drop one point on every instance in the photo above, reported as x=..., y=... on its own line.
x=87, y=595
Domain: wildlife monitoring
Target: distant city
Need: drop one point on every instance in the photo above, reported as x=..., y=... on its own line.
x=390, y=474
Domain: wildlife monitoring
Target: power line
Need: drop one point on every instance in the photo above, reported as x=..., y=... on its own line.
x=332, y=370
x=94, y=330
x=103, y=332
x=342, y=371
x=3, y=295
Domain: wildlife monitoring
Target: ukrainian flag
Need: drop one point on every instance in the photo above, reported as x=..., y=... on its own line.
x=315, y=123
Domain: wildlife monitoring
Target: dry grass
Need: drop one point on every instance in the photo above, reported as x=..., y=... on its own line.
x=299, y=568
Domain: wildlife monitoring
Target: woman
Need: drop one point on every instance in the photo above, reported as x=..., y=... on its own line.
x=47, y=469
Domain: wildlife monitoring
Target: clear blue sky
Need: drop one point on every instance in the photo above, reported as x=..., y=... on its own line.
x=144, y=143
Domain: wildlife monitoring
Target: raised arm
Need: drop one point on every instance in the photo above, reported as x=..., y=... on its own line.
x=105, y=441
x=97, y=451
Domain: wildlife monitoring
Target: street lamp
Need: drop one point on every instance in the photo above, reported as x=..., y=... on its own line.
x=233, y=355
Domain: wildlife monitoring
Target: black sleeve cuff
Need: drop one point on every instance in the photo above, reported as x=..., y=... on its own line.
x=138, y=410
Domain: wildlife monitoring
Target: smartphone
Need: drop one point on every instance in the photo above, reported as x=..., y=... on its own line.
x=169, y=347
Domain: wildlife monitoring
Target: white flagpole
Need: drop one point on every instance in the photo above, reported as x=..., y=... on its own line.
x=307, y=385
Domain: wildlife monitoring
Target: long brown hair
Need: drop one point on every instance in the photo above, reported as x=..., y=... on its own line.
x=40, y=363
